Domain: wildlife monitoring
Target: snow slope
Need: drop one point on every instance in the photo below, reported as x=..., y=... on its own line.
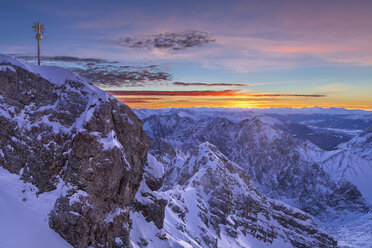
x=23, y=215
x=346, y=166
x=355, y=233
x=352, y=162
x=55, y=74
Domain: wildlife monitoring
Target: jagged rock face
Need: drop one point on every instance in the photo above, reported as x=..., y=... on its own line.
x=212, y=203
x=109, y=177
x=64, y=130
x=281, y=166
x=148, y=202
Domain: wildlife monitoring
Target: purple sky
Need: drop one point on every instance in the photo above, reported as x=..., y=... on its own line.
x=264, y=47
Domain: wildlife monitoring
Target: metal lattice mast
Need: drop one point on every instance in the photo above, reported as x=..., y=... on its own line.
x=39, y=29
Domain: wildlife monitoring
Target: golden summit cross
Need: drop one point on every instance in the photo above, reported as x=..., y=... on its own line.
x=39, y=29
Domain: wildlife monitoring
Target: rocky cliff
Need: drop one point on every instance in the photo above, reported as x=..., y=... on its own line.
x=61, y=132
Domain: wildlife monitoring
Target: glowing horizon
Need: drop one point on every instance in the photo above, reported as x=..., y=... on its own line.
x=289, y=53
x=140, y=100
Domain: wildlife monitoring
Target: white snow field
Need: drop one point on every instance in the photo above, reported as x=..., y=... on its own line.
x=356, y=233
x=23, y=215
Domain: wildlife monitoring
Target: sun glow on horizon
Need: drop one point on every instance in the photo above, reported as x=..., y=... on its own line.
x=235, y=102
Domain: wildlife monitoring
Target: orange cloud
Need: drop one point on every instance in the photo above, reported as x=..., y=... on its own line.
x=175, y=93
x=135, y=100
x=235, y=93
x=283, y=95
x=207, y=84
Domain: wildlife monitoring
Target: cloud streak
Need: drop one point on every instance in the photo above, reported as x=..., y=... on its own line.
x=133, y=76
x=207, y=84
x=64, y=59
x=285, y=95
x=175, y=93
x=236, y=93
x=173, y=41
x=139, y=99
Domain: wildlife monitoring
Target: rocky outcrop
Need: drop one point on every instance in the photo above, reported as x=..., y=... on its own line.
x=148, y=202
x=60, y=129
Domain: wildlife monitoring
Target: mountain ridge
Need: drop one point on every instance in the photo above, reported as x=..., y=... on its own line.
x=212, y=203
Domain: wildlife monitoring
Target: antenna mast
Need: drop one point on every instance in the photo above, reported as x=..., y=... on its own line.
x=39, y=29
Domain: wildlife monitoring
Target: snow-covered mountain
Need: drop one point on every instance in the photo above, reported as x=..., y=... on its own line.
x=212, y=203
x=327, y=128
x=353, y=162
x=281, y=166
x=291, y=112
x=75, y=159
x=334, y=186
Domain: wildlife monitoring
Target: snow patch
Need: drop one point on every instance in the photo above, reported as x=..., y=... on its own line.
x=24, y=216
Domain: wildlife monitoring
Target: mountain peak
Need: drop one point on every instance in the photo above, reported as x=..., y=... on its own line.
x=54, y=74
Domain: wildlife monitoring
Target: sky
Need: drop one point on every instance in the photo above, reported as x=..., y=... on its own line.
x=187, y=53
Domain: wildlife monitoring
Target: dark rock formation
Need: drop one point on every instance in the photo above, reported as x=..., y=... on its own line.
x=148, y=202
x=58, y=128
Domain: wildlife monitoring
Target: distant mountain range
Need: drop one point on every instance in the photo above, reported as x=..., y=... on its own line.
x=326, y=177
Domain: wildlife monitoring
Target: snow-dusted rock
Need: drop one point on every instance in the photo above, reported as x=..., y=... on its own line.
x=212, y=203
x=59, y=128
x=154, y=173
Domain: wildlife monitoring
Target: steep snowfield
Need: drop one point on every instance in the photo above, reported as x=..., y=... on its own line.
x=23, y=215
x=355, y=233
x=352, y=162
x=345, y=166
